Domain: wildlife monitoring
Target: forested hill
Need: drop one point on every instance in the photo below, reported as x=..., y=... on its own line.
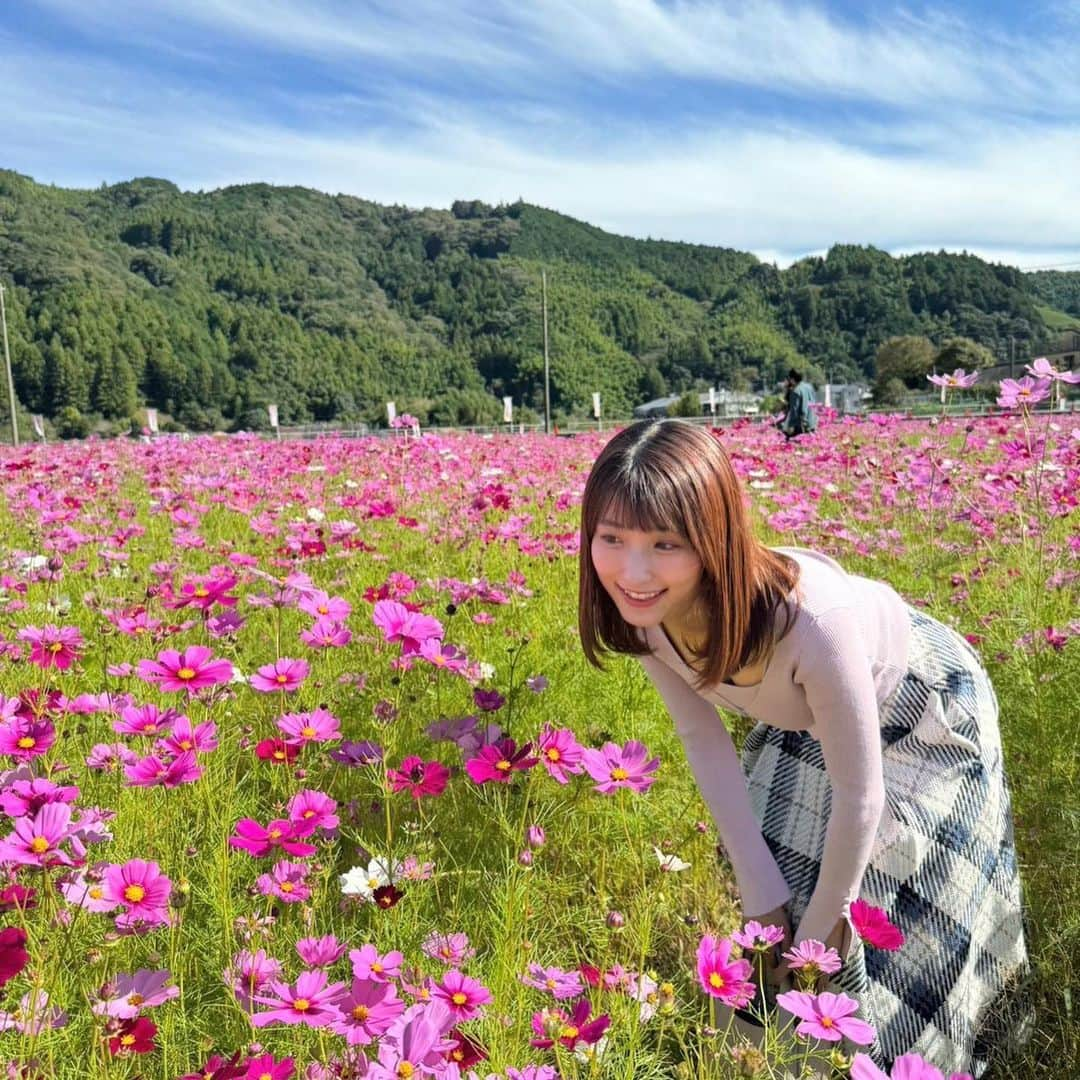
x=209, y=305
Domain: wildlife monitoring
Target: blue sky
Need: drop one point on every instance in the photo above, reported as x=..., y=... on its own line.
x=774, y=126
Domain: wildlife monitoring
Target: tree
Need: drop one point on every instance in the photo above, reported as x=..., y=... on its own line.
x=907, y=358
x=962, y=352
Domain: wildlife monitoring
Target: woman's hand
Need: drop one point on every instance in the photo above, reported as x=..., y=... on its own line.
x=839, y=938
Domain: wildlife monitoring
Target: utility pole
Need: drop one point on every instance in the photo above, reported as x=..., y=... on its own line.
x=547, y=364
x=7, y=364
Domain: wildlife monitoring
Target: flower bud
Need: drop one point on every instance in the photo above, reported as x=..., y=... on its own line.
x=535, y=836
x=525, y=857
x=615, y=920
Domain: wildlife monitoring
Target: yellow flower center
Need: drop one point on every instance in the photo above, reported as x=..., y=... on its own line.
x=201, y=590
x=323, y=610
x=716, y=981
x=127, y=1040
x=185, y=744
x=554, y=755
x=301, y=1004
x=39, y=845
x=279, y=755
x=308, y=732
x=405, y=1070
x=360, y=1012
x=570, y=1032
x=619, y=773
x=459, y=998
x=186, y=673
x=377, y=968
x=26, y=742
x=275, y=834
x=134, y=893
x=287, y=886
x=503, y=766
x=94, y=892
x=281, y=679
x=308, y=814
x=826, y=1022
x=135, y=999
x=56, y=646
x=550, y=984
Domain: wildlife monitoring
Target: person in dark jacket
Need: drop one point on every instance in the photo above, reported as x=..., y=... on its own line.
x=800, y=418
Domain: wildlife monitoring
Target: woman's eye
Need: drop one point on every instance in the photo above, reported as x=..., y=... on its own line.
x=667, y=545
x=607, y=538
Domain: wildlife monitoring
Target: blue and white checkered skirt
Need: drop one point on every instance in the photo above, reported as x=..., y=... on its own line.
x=943, y=865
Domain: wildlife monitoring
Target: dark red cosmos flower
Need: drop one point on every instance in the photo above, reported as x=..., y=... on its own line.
x=386, y=896
x=277, y=751
x=17, y=896
x=134, y=1037
x=217, y=1068
x=465, y=1051
x=13, y=954
x=590, y=974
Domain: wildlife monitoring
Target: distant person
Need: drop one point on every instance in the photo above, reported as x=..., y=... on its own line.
x=800, y=418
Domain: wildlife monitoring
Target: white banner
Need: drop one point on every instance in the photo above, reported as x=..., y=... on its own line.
x=508, y=410
x=151, y=421
x=596, y=406
x=272, y=410
x=828, y=396
x=943, y=389
x=39, y=425
x=712, y=399
x=391, y=412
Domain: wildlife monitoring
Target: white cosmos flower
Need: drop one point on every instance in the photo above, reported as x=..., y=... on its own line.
x=363, y=881
x=670, y=863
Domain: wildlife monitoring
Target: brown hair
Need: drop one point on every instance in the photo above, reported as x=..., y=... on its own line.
x=670, y=475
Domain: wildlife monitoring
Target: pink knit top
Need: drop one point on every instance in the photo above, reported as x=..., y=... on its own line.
x=844, y=654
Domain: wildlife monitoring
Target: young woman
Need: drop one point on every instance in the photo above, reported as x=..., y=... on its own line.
x=875, y=767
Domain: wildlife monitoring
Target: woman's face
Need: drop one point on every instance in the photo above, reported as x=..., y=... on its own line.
x=653, y=577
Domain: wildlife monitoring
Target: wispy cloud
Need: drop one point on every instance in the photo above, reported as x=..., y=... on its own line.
x=904, y=132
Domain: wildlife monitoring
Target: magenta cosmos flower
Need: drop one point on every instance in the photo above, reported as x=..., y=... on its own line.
x=873, y=926
x=283, y=674
x=368, y=963
x=153, y=771
x=463, y=996
x=448, y=948
x=140, y=888
x=53, y=646
x=319, y=725
x=758, y=938
x=615, y=767
x=36, y=841
x=958, y=380
x=398, y=623
x=813, y=959
x=555, y=1024
x=1023, y=392
x=321, y=605
x=326, y=634
x=279, y=835
x=309, y=1001
x=499, y=762
x=320, y=952
x=287, y=881
x=722, y=977
x=312, y=810
x=905, y=1067
x=191, y=670
x=558, y=983
x=560, y=753
x=128, y=995
x=368, y=1011
x=23, y=738
x=827, y=1016
x=419, y=777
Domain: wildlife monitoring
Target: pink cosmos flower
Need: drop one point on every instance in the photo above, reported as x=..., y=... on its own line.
x=110, y=757
x=320, y=725
x=813, y=959
x=355, y=754
x=86, y=890
x=153, y=771
x=758, y=938
x=418, y=777
x=369, y=963
x=287, y=881
x=250, y=971
x=462, y=995
x=310, y=1001
x=140, y=888
x=499, y=762
x=320, y=952
x=615, y=767
x=225, y=624
x=22, y=737
x=203, y=592
x=36, y=841
x=23, y=797
x=417, y=1039
x=33, y=1016
x=1041, y=368
x=185, y=736
x=128, y=995
x=283, y=674
x=722, y=977
x=368, y=1011
x=555, y=1024
x=326, y=634
x=145, y=720
x=488, y=700
x=321, y=605
x=1023, y=392
x=281, y=835
x=53, y=646
x=905, y=1067
x=448, y=948
x=312, y=810
x=560, y=753
x=265, y=1067
x=190, y=670
x=439, y=655
x=558, y=983
x=827, y=1016
x=958, y=380
x=398, y=623
x=873, y=926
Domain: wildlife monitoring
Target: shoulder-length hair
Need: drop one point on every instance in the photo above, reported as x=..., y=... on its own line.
x=670, y=475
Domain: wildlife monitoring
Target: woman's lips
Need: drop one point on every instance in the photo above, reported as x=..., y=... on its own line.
x=642, y=599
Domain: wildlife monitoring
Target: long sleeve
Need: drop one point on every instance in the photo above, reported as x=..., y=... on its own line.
x=711, y=754
x=837, y=680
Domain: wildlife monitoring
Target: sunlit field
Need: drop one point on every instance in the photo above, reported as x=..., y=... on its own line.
x=306, y=774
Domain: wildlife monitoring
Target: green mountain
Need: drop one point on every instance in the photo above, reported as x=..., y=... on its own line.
x=209, y=305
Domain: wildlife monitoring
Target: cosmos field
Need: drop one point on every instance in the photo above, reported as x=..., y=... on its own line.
x=305, y=775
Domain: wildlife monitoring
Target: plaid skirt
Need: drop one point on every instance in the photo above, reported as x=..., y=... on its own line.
x=943, y=865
